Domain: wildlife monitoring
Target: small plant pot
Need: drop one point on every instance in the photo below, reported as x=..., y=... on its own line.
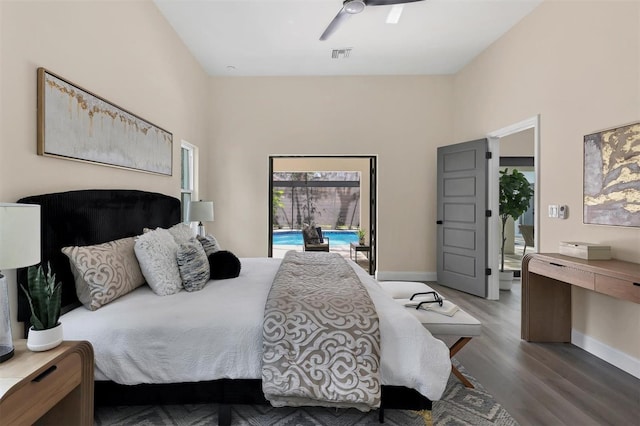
x=43, y=340
x=506, y=280
x=361, y=241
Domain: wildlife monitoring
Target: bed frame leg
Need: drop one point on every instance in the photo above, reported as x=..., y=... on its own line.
x=426, y=416
x=224, y=415
x=381, y=415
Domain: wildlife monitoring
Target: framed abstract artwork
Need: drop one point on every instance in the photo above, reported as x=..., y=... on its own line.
x=611, y=190
x=76, y=124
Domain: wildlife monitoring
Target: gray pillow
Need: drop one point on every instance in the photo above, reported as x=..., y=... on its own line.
x=311, y=234
x=209, y=243
x=193, y=265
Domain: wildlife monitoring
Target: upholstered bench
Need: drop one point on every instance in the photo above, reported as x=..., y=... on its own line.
x=459, y=324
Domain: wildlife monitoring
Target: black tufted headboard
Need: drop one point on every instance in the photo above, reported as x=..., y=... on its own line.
x=87, y=217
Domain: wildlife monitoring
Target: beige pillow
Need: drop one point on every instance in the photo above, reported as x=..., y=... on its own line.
x=104, y=272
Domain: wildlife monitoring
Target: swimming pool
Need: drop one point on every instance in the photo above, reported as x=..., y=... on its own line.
x=294, y=238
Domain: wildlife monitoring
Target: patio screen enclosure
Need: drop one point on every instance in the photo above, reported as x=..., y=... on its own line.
x=327, y=199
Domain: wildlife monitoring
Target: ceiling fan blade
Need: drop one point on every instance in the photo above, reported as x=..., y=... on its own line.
x=387, y=2
x=351, y=7
x=342, y=16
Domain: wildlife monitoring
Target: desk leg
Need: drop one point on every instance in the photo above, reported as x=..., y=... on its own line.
x=546, y=308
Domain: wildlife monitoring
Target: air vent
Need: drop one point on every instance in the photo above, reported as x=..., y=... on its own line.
x=341, y=53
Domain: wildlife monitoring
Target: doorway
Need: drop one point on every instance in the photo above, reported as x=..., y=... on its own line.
x=335, y=193
x=506, y=142
x=519, y=233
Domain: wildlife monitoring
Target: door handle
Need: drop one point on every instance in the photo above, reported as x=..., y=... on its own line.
x=439, y=222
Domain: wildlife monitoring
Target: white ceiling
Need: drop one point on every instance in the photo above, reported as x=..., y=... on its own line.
x=281, y=37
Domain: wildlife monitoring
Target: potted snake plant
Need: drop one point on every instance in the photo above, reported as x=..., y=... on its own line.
x=44, y=297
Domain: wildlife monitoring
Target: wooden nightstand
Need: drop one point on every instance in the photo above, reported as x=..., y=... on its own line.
x=51, y=388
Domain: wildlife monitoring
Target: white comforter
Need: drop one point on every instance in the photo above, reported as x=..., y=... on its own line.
x=217, y=333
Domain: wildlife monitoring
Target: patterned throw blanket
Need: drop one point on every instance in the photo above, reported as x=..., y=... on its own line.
x=321, y=336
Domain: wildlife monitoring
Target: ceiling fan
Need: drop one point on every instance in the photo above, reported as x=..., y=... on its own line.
x=353, y=7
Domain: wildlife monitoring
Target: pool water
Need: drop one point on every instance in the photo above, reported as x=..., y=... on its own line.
x=294, y=238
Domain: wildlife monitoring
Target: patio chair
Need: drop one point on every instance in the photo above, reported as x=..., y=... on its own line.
x=527, y=234
x=313, y=239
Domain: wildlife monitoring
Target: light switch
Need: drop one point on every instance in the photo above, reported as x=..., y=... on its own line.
x=553, y=210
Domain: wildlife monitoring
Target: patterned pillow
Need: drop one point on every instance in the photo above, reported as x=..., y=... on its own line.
x=156, y=252
x=193, y=265
x=104, y=272
x=209, y=243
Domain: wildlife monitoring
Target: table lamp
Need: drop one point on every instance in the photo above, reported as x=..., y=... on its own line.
x=201, y=211
x=19, y=247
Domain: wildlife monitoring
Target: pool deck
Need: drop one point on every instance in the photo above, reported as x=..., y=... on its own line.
x=280, y=250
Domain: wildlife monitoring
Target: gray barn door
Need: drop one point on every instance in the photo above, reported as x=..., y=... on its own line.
x=461, y=217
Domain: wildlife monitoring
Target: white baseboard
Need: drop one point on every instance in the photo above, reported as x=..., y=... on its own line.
x=613, y=356
x=405, y=276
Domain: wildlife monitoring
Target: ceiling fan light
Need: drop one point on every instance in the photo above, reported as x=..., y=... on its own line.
x=354, y=6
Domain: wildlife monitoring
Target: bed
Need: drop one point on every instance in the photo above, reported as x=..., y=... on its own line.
x=195, y=347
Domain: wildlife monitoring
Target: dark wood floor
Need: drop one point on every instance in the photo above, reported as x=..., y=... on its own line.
x=542, y=384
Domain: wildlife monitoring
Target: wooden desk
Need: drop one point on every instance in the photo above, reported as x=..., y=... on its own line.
x=546, y=290
x=48, y=388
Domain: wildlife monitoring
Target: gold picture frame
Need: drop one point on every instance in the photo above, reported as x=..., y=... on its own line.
x=76, y=124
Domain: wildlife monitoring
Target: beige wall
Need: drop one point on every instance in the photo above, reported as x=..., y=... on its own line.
x=519, y=144
x=400, y=119
x=577, y=64
x=3, y=183
x=334, y=164
x=123, y=51
x=557, y=62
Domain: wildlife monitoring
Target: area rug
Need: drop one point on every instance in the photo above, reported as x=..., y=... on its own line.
x=459, y=406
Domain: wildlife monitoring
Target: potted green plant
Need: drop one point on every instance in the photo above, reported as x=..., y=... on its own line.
x=361, y=235
x=515, y=196
x=44, y=297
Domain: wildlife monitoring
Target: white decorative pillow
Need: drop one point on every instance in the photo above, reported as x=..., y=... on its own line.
x=193, y=265
x=104, y=272
x=156, y=252
x=209, y=243
x=182, y=233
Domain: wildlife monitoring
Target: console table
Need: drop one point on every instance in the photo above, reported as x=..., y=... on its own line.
x=51, y=388
x=355, y=248
x=546, y=290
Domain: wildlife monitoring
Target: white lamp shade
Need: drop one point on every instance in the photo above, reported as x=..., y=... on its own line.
x=19, y=235
x=201, y=211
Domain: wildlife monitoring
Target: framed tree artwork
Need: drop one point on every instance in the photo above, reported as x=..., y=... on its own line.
x=611, y=190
